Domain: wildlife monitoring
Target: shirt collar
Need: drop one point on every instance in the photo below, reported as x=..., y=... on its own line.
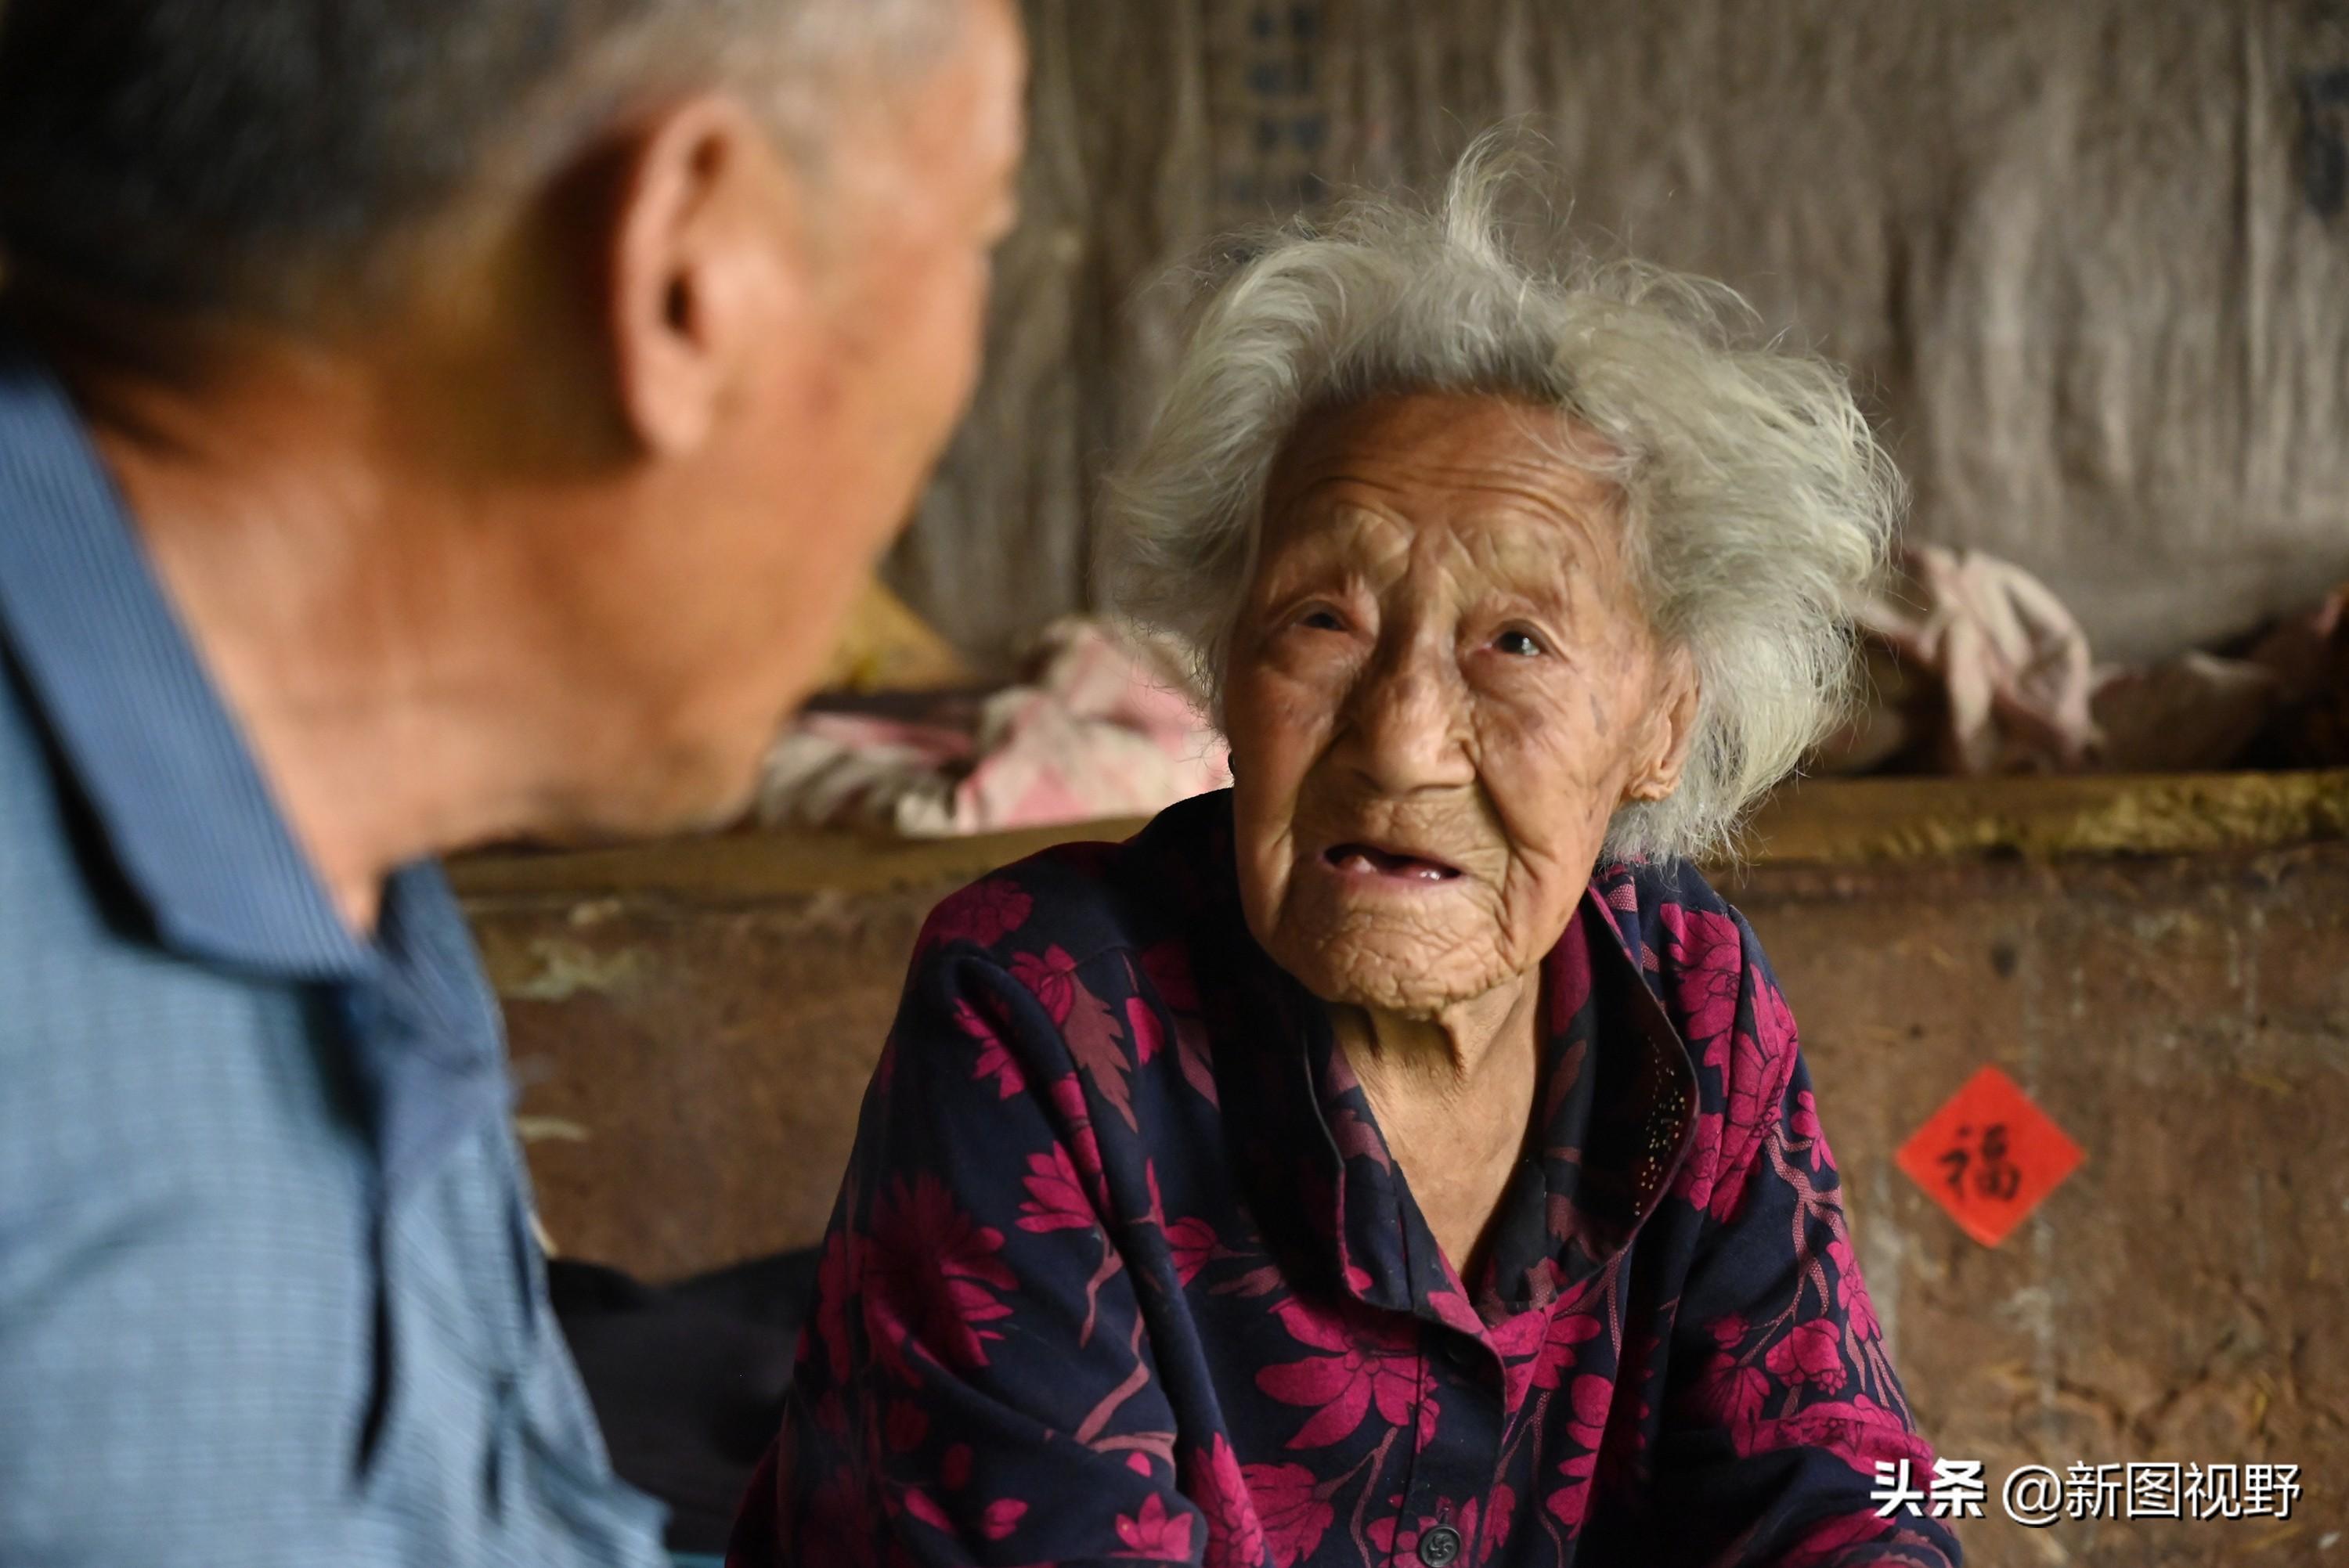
x=137, y=723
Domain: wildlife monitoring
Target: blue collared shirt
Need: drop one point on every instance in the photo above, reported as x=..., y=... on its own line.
x=267, y=1288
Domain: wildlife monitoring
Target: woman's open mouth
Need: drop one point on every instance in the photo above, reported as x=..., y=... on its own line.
x=1364, y=860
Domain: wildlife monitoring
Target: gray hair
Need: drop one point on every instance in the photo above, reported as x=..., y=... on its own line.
x=249, y=156
x=1758, y=504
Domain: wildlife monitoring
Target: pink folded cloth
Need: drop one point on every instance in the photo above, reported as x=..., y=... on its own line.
x=2009, y=663
x=1977, y=668
x=1101, y=726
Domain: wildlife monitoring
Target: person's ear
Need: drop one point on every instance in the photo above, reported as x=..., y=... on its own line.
x=704, y=258
x=1669, y=730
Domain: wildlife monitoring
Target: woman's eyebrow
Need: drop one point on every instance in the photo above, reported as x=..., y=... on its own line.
x=1311, y=570
x=1346, y=533
x=1542, y=570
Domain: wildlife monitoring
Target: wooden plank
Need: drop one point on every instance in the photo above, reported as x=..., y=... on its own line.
x=1865, y=821
x=1829, y=821
x=733, y=867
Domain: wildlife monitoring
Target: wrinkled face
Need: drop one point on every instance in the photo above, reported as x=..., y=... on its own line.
x=1440, y=689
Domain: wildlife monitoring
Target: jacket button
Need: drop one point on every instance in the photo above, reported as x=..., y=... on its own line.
x=1439, y=1546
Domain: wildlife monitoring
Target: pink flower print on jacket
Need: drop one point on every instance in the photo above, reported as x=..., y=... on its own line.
x=932, y=1276
x=1355, y=1374
x=984, y=912
x=1154, y=1534
x=1811, y=1353
x=1213, y=1481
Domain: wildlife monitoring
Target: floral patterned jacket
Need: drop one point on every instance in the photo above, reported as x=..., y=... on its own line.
x=1122, y=1269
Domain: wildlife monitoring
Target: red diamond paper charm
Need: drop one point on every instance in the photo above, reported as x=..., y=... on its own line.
x=1989, y=1156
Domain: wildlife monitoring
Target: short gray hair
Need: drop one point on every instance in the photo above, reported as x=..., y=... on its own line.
x=250, y=156
x=1756, y=502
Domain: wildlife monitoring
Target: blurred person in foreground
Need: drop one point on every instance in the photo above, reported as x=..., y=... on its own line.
x=1403, y=1157
x=420, y=424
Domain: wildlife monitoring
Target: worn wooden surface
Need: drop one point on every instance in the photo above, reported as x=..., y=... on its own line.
x=1838, y=822
x=2089, y=261
x=693, y=1025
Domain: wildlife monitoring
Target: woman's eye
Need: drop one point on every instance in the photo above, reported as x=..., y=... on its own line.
x=1519, y=644
x=1321, y=621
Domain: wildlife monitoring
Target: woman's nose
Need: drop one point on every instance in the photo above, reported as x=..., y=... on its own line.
x=1407, y=729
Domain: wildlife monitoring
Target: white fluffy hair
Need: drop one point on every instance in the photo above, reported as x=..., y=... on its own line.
x=1757, y=503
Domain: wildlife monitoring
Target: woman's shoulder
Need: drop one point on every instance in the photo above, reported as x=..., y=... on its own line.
x=1704, y=964
x=1066, y=973
x=1671, y=919
x=1083, y=899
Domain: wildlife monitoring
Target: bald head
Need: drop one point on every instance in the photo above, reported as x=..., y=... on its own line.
x=260, y=157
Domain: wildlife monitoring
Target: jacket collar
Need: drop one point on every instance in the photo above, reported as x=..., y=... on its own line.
x=1617, y=1106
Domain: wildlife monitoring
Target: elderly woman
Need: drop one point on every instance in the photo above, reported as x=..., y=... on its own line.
x=1403, y=1157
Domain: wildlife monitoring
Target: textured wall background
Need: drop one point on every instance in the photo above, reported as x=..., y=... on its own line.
x=694, y=1026
x=2088, y=259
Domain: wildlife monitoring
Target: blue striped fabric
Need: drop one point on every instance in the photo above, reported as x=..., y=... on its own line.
x=267, y=1289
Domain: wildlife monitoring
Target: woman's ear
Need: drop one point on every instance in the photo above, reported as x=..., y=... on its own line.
x=1669, y=731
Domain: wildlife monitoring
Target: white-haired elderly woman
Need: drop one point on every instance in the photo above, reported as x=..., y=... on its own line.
x=1402, y=1157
